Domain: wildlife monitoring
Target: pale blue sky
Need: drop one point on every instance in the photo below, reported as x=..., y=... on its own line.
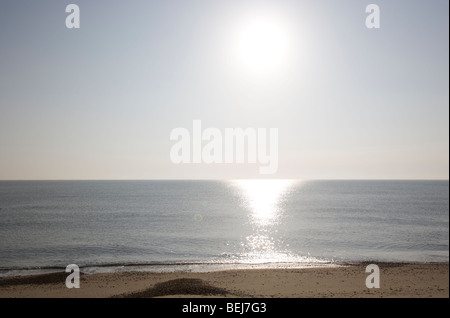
x=100, y=102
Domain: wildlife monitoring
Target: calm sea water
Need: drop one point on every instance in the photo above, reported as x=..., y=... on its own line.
x=95, y=224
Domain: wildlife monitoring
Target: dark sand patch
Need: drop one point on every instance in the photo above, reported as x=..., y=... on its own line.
x=42, y=279
x=181, y=286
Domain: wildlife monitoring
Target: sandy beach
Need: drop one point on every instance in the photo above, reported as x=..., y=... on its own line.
x=340, y=281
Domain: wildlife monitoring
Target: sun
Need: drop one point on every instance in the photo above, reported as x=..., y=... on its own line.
x=262, y=44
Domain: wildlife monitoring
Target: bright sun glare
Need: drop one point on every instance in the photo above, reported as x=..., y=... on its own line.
x=262, y=198
x=262, y=44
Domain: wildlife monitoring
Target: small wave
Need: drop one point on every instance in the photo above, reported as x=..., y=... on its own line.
x=181, y=266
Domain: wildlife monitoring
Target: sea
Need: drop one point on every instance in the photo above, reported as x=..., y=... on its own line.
x=170, y=225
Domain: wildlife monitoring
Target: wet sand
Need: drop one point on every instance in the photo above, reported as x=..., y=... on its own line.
x=342, y=281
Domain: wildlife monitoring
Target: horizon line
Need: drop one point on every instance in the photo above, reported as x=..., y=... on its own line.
x=221, y=179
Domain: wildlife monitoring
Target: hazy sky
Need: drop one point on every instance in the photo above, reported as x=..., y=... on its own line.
x=100, y=102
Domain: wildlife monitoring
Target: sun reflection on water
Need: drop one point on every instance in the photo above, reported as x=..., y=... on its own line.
x=263, y=199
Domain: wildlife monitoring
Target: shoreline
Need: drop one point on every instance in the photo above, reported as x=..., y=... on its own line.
x=196, y=267
x=339, y=280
